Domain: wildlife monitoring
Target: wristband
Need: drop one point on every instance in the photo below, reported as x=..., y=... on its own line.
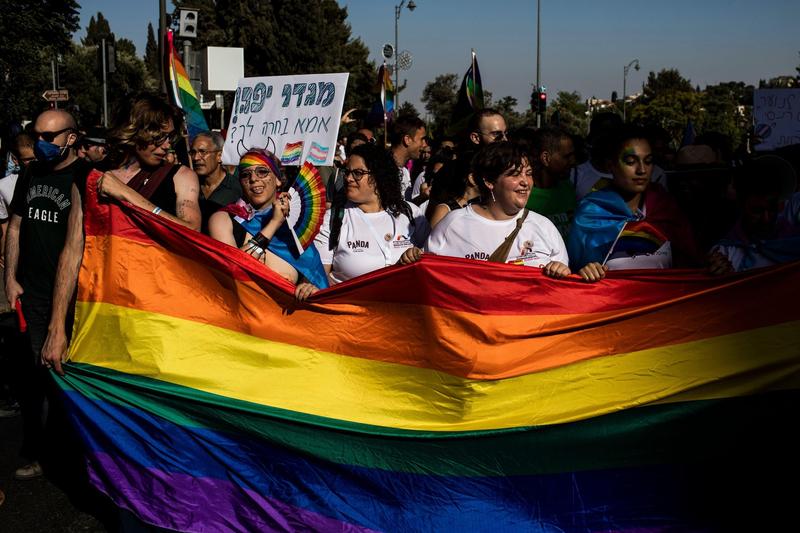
x=261, y=240
x=157, y=210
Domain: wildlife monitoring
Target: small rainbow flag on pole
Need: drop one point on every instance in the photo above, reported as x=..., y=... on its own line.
x=387, y=92
x=181, y=92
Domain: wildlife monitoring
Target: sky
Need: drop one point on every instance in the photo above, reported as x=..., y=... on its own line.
x=584, y=45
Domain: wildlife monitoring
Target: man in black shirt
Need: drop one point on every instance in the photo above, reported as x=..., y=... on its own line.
x=218, y=187
x=43, y=201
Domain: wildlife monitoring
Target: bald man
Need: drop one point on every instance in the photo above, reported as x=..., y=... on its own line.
x=45, y=196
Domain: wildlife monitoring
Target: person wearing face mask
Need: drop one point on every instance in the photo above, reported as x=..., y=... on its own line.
x=142, y=139
x=45, y=197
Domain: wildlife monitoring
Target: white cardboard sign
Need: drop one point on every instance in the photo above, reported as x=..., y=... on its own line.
x=776, y=114
x=294, y=117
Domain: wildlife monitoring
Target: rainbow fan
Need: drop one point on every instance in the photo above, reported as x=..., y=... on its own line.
x=307, y=205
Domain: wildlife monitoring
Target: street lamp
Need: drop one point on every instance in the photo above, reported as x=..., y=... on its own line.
x=411, y=7
x=634, y=64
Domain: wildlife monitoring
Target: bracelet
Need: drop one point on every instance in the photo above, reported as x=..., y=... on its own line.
x=252, y=246
x=261, y=240
x=157, y=210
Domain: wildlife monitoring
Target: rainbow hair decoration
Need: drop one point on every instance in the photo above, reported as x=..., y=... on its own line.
x=260, y=157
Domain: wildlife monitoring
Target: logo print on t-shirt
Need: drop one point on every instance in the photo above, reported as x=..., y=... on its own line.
x=358, y=245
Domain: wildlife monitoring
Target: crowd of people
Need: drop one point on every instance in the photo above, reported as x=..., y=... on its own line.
x=621, y=198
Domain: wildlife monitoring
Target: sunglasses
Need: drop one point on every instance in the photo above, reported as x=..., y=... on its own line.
x=50, y=136
x=171, y=136
x=496, y=136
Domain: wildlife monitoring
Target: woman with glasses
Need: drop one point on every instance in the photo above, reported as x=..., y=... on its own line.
x=256, y=224
x=374, y=225
x=142, y=175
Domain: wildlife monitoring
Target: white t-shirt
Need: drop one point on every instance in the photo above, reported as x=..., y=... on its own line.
x=369, y=241
x=405, y=183
x=7, y=185
x=465, y=233
x=416, y=189
x=737, y=255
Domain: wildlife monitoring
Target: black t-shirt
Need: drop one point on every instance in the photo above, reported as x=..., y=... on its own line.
x=43, y=198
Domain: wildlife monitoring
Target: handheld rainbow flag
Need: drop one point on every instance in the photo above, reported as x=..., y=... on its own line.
x=210, y=400
x=181, y=91
x=470, y=97
x=387, y=92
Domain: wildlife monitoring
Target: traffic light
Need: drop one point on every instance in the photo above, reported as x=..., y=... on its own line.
x=187, y=23
x=542, y=100
x=535, y=100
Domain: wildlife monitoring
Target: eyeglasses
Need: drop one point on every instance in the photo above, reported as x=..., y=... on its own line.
x=201, y=152
x=357, y=173
x=260, y=173
x=496, y=136
x=50, y=136
x=170, y=136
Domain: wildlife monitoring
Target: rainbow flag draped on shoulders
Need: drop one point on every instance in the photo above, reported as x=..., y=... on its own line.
x=181, y=91
x=477, y=398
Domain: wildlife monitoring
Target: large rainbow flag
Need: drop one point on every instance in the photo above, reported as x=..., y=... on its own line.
x=449, y=395
x=181, y=91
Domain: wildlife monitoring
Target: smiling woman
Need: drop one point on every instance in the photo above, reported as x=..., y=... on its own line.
x=500, y=229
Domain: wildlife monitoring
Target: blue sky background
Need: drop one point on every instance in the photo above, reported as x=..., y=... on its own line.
x=584, y=44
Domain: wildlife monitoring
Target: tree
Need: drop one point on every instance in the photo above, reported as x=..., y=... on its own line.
x=665, y=82
x=32, y=33
x=439, y=97
x=407, y=109
x=152, y=59
x=278, y=40
x=81, y=77
x=571, y=112
x=97, y=30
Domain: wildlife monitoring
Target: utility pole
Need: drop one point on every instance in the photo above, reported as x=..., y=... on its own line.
x=162, y=33
x=105, y=82
x=538, y=46
x=53, y=68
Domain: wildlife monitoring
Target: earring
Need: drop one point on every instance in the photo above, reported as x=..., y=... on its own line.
x=493, y=196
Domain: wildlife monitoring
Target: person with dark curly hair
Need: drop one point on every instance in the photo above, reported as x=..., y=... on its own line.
x=373, y=225
x=499, y=228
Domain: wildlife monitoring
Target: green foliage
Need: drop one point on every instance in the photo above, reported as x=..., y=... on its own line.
x=439, y=97
x=571, y=111
x=665, y=82
x=151, y=56
x=278, y=39
x=32, y=32
x=97, y=30
x=407, y=109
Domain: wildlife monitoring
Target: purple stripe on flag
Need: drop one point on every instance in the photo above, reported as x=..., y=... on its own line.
x=188, y=503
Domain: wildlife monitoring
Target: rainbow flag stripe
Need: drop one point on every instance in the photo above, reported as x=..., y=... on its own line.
x=292, y=153
x=311, y=190
x=210, y=400
x=182, y=93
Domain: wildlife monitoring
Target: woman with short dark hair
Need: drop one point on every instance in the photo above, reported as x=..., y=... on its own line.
x=500, y=228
